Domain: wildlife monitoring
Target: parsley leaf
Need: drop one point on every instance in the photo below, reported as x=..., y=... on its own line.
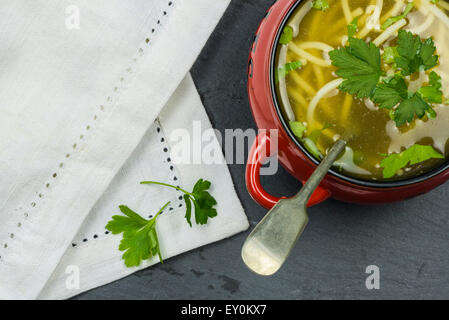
x=392, y=20
x=413, y=155
x=322, y=5
x=298, y=128
x=415, y=54
x=359, y=65
x=287, y=35
x=390, y=54
x=407, y=110
x=394, y=92
x=140, y=241
x=389, y=94
x=283, y=71
x=432, y=93
x=202, y=201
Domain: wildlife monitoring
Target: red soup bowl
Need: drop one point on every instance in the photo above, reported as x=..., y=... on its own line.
x=291, y=154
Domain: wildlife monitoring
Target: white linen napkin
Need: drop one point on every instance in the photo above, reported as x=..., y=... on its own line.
x=80, y=83
x=94, y=254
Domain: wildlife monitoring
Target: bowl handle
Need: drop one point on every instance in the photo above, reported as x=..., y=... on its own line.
x=257, y=156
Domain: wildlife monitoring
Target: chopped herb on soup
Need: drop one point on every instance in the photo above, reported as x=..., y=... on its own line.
x=281, y=72
x=286, y=36
x=320, y=5
x=392, y=20
x=353, y=27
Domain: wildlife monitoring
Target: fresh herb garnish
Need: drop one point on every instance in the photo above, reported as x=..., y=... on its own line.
x=283, y=71
x=394, y=92
x=390, y=92
x=322, y=5
x=140, y=241
x=202, y=200
x=298, y=128
x=415, y=54
x=390, y=54
x=410, y=107
x=432, y=93
x=392, y=20
x=359, y=65
x=413, y=155
x=287, y=35
x=353, y=27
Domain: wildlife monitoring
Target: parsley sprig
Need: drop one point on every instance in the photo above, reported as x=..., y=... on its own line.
x=415, y=54
x=359, y=64
x=393, y=163
x=394, y=91
x=140, y=241
x=202, y=201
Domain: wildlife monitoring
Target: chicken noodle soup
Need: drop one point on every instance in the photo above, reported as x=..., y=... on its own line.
x=374, y=72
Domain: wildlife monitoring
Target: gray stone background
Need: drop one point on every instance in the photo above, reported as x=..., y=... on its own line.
x=408, y=241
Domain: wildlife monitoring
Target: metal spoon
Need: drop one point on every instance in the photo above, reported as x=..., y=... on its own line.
x=270, y=243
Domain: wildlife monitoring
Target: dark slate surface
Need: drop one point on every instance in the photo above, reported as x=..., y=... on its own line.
x=408, y=240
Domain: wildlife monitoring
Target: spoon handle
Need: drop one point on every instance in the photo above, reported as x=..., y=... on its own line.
x=320, y=172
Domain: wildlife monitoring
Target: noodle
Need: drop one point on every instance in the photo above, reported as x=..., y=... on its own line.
x=318, y=74
x=394, y=11
x=304, y=54
x=299, y=97
x=438, y=13
x=347, y=11
x=283, y=86
x=320, y=95
x=315, y=45
x=346, y=107
x=302, y=83
x=357, y=12
x=374, y=21
x=443, y=5
x=423, y=27
x=342, y=23
x=365, y=30
x=297, y=18
x=389, y=32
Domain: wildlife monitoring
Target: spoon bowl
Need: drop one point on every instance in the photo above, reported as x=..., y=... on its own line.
x=270, y=243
